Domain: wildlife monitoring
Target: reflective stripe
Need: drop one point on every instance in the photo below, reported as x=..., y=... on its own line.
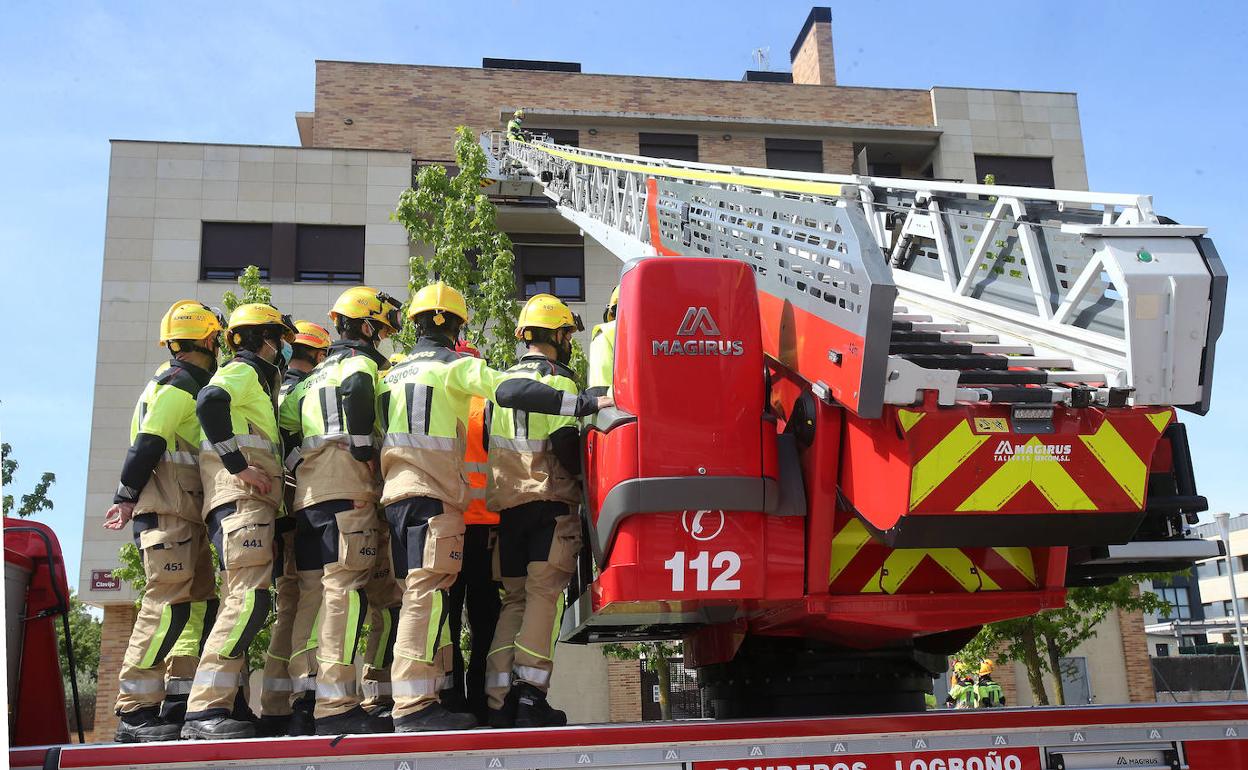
x=293, y=458
x=278, y=685
x=133, y=686
x=373, y=689
x=362, y=440
x=127, y=493
x=178, y=687
x=234, y=442
x=534, y=676
x=477, y=467
x=303, y=684
x=446, y=682
x=531, y=652
x=521, y=444
x=412, y=688
x=500, y=679
x=476, y=493
x=182, y=458
x=221, y=679
x=419, y=441
x=331, y=690
x=568, y=407
x=312, y=442
x=500, y=649
x=417, y=397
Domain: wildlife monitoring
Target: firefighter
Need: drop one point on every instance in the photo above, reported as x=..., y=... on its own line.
x=160, y=490
x=602, y=349
x=309, y=349
x=477, y=587
x=424, y=404
x=962, y=691
x=242, y=476
x=515, y=125
x=988, y=693
x=534, y=464
x=336, y=495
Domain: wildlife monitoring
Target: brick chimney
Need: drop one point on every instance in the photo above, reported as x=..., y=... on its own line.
x=811, y=55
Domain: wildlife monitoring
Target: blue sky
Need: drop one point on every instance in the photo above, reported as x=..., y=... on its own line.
x=1161, y=94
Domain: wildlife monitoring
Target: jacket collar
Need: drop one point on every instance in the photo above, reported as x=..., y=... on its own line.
x=358, y=348
x=435, y=341
x=202, y=376
x=266, y=371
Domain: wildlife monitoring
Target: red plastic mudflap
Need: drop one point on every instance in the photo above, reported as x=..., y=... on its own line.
x=690, y=431
x=966, y=476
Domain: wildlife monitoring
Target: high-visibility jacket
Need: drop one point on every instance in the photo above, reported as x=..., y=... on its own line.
x=513, y=129
x=534, y=456
x=602, y=358
x=476, y=467
x=423, y=404
x=988, y=694
x=161, y=470
x=238, y=411
x=338, y=419
x=962, y=695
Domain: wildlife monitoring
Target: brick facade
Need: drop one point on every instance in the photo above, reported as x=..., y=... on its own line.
x=624, y=690
x=813, y=62
x=114, y=636
x=411, y=107
x=1140, y=685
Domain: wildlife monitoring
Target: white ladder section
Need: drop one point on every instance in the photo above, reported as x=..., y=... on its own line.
x=977, y=292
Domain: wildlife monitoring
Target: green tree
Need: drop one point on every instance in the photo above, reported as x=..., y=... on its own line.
x=657, y=658
x=251, y=291
x=37, y=500
x=85, y=631
x=1040, y=641
x=451, y=216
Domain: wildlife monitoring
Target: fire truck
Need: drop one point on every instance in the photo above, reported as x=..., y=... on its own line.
x=855, y=419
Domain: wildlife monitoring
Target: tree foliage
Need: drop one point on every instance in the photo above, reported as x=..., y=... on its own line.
x=251, y=290
x=453, y=217
x=1040, y=641
x=84, y=629
x=33, y=502
x=657, y=658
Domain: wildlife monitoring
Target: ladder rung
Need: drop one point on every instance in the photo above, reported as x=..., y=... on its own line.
x=911, y=317
x=900, y=336
x=998, y=377
x=1004, y=350
x=934, y=347
x=957, y=361
x=938, y=326
x=1037, y=362
x=1084, y=377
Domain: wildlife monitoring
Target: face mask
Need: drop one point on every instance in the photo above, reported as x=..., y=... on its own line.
x=287, y=352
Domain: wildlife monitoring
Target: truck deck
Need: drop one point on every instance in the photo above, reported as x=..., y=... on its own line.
x=1198, y=736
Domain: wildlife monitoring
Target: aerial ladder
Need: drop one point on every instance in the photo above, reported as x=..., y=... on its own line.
x=859, y=417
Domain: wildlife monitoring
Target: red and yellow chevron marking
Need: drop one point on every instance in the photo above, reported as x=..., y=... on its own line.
x=1095, y=460
x=861, y=564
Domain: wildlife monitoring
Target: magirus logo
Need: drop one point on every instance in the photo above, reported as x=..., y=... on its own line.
x=697, y=320
x=1008, y=451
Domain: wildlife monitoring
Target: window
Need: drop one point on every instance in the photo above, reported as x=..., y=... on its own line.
x=329, y=253
x=673, y=146
x=1243, y=563
x=283, y=251
x=1228, y=608
x=1026, y=172
x=795, y=154
x=552, y=263
x=1220, y=565
x=226, y=248
x=1163, y=650
x=566, y=136
x=884, y=169
x=1179, y=601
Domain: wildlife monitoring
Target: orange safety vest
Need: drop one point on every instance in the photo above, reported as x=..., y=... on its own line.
x=476, y=469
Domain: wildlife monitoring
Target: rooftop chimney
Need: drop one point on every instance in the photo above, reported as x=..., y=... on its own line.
x=811, y=55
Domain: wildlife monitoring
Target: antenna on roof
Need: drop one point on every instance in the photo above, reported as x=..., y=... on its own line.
x=762, y=58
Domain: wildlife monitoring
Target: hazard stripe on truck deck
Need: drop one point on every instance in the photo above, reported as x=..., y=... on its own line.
x=734, y=744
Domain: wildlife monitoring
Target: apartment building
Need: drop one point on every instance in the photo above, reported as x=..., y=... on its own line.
x=184, y=219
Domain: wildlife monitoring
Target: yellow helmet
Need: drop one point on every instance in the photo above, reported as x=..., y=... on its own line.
x=609, y=312
x=312, y=335
x=545, y=311
x=397, y=358
x=367, y=304
x=959, y=668
x=986, y=667
x=441, y=298
x=259, y=314
x=189, y=319
x=518, y=114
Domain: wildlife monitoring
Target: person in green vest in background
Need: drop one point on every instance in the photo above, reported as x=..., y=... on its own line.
x=988, y=693
x=602, y=349
x=962, y=692
x=515, y=125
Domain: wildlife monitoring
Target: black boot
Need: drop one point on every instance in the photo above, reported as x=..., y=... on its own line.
x=145, y=726
x=301, y=721
x=385, y=714
x=505, y=717
x=434, y=717
x=217, y=728
x=532, y=710
x=173, y=709
x=357, y=721
x=273, y=726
